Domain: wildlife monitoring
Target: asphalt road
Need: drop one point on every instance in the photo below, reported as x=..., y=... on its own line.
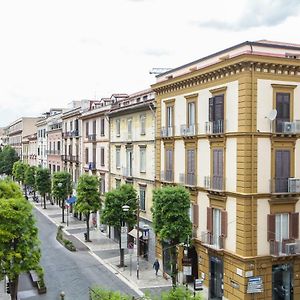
x=71, y=272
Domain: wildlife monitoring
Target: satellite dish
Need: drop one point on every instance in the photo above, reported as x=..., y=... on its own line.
x=272, y=115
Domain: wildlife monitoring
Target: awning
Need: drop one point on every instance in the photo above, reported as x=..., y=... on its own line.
x=133, y=233
x=71, y=200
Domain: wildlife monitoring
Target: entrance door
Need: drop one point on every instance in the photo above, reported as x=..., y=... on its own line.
x=282, y=281
x=192, y=254
x=216, y=278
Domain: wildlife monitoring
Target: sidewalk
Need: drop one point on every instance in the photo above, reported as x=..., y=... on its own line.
x=106, y=251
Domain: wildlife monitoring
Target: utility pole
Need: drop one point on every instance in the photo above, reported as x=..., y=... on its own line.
x=138, y=240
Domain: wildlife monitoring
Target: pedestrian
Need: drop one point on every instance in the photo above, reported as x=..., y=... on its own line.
x=156, y=266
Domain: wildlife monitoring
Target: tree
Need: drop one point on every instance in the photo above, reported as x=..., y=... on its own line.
x=19, y=169
x=8, y=157
x=30, y=175
x=113, y=213
x=62, y=188
x=43, y=183
x=19, y=244
x=171, y=221
x=88, y=198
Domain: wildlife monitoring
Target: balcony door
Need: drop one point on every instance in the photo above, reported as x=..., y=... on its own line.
x=283, y=110
x=169, y=120
x=282, y=170
x=129, y=162
x=217, y=180
x=216, y=113
x=191, y=117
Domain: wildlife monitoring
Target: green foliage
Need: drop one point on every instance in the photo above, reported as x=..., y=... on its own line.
x=8, y=156
x=60, y=237
x=179, y=293
x=88, y=196
x=61, y=185
x=170, y=210
x=19, y=243
x=19, y=169
x=43, y=181
x=97, y=293
x=30, y=175
x=113, y=214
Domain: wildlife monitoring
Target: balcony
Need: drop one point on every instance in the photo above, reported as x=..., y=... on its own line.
x=167, y=131
x=215, y=127
x=92, y=137
x=285, y=247
x=167, y=176
x=212, y=240
x=285, y=185
x=66, y=134
x=188, y=130
x=53, y=152
x=127, y=172
x=64, y=157
x=73, y=158
x=74, y=133
x=188, y=179
x=92, y=166
x=282, y=127
x=214, y=183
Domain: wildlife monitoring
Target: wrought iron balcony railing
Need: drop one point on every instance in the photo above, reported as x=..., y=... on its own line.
x=188, y=130
x=167, y=131
x=285, y=247
x=214, y=183
x=167, y=175
x=215, y=127
x=188, y=179
x=212, y=240
x=285, y=185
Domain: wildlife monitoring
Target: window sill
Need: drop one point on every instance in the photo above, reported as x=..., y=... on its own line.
x=143, y=172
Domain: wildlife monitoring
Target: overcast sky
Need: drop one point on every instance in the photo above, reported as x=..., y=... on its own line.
x=56, y=51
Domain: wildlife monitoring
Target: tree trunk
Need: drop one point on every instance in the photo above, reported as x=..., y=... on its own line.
x=25, y=188
x=174, y=265
x=63, y=211
x=14, y=288
x=87, y=219
x=45, y=201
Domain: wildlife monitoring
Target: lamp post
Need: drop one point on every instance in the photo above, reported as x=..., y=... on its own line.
x=125, y=209
x=62, y=205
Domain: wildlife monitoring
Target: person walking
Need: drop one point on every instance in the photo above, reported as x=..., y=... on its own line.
x=156, y=266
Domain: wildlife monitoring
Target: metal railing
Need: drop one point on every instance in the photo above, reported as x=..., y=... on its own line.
x=284, y=185
x=167, y=175
x=53, y=152
x=92, y=166
x=285, y=247
x=92, y=137
x=188, y=130
x=286, y=127
x=167, y=131
x=212, y=240
x=127, y=172
x=188, y=179
x=215, y=127
x=215, y=183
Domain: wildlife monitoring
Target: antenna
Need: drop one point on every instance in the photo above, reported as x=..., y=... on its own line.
x=272, y=116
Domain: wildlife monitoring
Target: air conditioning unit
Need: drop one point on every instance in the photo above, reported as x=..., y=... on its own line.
x=290, y=248
x=288, y=127
x=294, y=185
x=183, y=130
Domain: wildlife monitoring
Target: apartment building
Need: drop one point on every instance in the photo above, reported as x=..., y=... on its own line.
x=132, y=157
x=3, y=137
x=42, y=141
x=32, y=150
x=227, y=128
x=25, y=150
x=18, y=129
x=54, y=140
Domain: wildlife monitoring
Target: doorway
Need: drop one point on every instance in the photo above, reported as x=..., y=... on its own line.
x=282, y=282
x=216, y=278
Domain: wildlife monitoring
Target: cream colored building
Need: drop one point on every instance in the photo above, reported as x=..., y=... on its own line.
x=227, y=128
x=132, y=156
x=32, y=150
x=18, y=129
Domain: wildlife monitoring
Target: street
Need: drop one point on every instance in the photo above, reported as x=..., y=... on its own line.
x=71, y=272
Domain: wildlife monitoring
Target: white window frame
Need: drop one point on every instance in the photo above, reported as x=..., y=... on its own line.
x=143, y=159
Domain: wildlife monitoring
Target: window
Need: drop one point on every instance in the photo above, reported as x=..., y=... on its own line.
x=54, y=168
x=87, y=129
x=66, y=129
x=129, y=164
x=71, y=125
x=216, y=226
x=283, y=110
x=142, y=198
x=118, y=157
x=58, y=146
x=129, y=128
x=216, y=113
x=50, y=147
x=102, y=124
x=94, y=127
x=169, y=165
x=143, y=159
x=190, y=167
x=191, y=114
x=169, y=120
x=58, y=168
x=102, y=157
x=282, y=170
x=143, y=124
x=118, y=127
x=86, y=155
x=102, y=184
x=118, y=183
x=217, y=177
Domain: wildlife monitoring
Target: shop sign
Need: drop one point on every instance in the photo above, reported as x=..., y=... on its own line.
x=255, y=285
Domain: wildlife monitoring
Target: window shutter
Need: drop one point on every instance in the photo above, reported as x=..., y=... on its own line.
x=196, y=215
x=224, y=223
x=219, y=108
x=271, y=227
x=294, y=225
x=209, y=219
x=211, y=109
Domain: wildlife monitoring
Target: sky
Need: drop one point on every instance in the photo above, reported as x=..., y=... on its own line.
x=56, y=51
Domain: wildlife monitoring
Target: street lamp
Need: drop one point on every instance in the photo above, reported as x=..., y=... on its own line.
x=62, y=204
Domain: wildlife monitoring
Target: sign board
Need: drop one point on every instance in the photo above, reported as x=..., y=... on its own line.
x=248, y=273
x=124, y=241
x=187, y=270
x=198, y=284
x=255, y=285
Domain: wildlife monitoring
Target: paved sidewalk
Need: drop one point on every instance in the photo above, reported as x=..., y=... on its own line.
x=106, y=251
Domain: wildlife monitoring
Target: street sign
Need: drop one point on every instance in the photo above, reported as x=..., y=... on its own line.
x=255, y=285
x=198, y=284
x=124, y=241
x=187, y=270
